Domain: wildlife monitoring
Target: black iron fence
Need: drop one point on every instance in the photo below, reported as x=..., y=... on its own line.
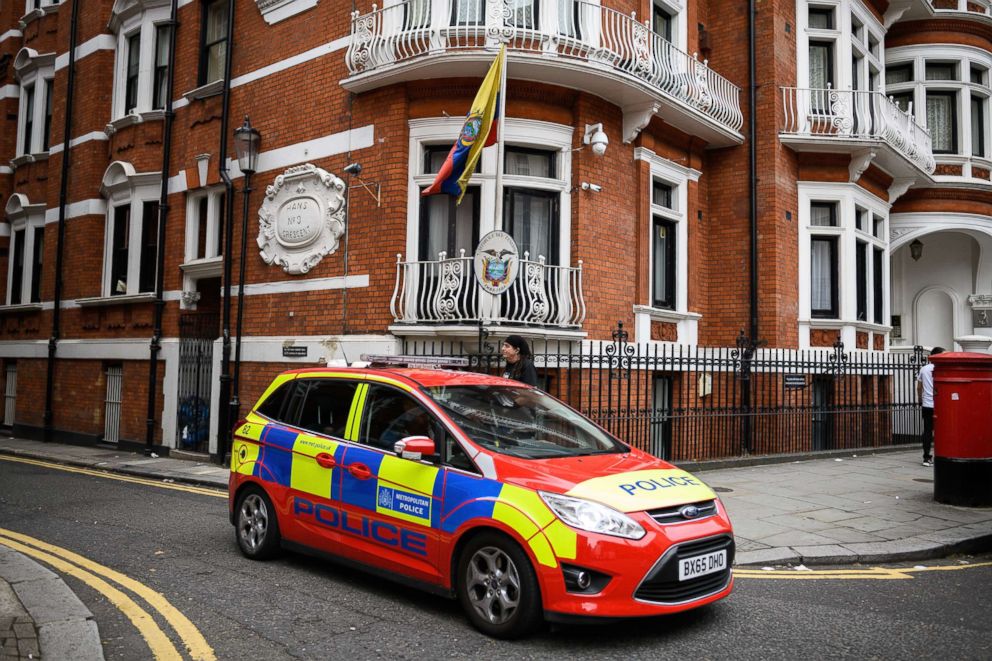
x=694, y=403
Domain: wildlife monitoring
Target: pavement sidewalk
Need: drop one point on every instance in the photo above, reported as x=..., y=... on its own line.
x=860, y=508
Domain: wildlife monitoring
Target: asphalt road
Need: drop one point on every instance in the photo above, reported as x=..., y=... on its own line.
x=181, y=545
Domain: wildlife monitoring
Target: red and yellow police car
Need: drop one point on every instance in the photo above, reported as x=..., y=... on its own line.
x=475, y=487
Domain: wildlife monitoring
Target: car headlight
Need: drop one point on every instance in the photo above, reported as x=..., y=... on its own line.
x=591, y=516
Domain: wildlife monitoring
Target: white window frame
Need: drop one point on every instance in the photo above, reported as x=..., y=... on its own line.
x=662, y=173
x=122, y=185
x=678, y=177
x=32, y=69
x=848, y=198
x=44, y=6
x=845, y=45
x=965, y=57
x=518, y=133
x=680, y=25
x=130, y=17
x=22, y=215
x=215, y=216
x=194, y=267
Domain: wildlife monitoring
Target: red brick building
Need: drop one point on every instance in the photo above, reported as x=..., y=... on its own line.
x=872, y=191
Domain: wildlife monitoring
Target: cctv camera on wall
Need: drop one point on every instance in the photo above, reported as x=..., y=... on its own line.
x=596, y=137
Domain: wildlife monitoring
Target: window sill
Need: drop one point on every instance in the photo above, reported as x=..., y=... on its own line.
x=132, y=118
x=207, y=267
x=28, y=158
x=205, y=91
x=98, y=301
x=274, y=11
x=663, y=314
x=21, y=307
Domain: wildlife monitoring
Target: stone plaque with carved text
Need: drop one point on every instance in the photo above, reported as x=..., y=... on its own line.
x=302, y=218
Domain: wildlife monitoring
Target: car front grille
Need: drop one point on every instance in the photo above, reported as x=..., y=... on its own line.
x=677, y=514
x=662, y=584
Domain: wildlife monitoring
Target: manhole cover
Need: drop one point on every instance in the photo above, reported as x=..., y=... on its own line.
x=722, y=490
x=922, y=479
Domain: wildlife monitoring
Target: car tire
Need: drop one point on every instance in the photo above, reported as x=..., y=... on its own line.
x=497, y=587
x=256, y=526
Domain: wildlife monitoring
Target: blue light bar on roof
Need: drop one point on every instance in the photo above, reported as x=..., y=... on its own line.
x=430, y=362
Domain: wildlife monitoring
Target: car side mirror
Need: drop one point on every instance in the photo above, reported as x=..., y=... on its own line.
x=416, y=448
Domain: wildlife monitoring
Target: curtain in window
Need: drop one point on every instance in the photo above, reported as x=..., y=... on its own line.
x=899, y=74
x=161, y=66
x=821, y=276
x=940, y=121
x=215, y=38
x=528, y=164
x=418, y=14
x=441, y=236
x=569, y=18
x=821, y=215
x=820, y=56
x=524, y=13
x=467, y=12
x=532, y=223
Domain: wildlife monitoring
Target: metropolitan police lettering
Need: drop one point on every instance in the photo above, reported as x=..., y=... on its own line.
x=404, y=502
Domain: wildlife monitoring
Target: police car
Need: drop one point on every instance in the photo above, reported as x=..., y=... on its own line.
x=478, y=488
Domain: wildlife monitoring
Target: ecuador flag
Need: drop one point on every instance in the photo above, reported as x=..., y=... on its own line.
x=479, y=131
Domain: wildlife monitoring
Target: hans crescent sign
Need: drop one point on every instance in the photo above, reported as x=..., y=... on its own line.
x=302, y=218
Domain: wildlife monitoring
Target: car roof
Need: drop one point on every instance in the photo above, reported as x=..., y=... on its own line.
x=422, y=377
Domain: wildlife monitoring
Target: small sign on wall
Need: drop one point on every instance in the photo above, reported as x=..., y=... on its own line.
x=294, y=351
x=794, y=381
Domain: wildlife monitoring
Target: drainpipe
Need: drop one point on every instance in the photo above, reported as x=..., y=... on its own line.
x=223, y=409
x=753, y=167
x=163, y=215
x=59, y=249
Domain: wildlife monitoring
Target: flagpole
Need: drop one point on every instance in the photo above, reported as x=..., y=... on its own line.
x=498, y=220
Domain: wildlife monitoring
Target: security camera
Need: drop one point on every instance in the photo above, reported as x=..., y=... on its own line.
x=354, y=168
x=596, y=137
x=595, y=188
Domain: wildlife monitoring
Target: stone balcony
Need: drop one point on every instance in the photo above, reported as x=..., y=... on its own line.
x=571, y=43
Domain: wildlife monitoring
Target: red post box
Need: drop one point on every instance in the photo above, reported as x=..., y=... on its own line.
x=962, y=429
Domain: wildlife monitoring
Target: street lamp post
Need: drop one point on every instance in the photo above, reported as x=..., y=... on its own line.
x=246, y=141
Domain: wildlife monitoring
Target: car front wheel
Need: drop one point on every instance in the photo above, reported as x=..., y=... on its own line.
x=256, y=526
x=497, y=587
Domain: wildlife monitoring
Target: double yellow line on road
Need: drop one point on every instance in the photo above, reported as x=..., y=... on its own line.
x=203, y=491
x=109, y=582
x=99, y=578
x=868, y=573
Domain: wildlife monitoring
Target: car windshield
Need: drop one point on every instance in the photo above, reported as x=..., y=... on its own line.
x=522, y=422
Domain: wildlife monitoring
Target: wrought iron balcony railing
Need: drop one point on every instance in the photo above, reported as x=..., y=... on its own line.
x=568, y=29
x=445, y=291
x=857, y=115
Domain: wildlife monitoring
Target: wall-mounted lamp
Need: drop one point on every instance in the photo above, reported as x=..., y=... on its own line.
x=916, y=250
x=595, y=188
x=596, y=137
x=355, y=169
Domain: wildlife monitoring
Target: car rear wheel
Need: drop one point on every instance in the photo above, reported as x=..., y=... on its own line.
x=256, y=526
x=497, y=587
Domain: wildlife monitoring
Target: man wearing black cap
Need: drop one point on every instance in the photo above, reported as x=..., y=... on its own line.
x=519, y=363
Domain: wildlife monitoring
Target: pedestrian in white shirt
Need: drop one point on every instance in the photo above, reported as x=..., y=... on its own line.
x=925, y=392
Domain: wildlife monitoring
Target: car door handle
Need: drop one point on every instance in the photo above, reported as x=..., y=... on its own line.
x=361, y=471
x=326, y=460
